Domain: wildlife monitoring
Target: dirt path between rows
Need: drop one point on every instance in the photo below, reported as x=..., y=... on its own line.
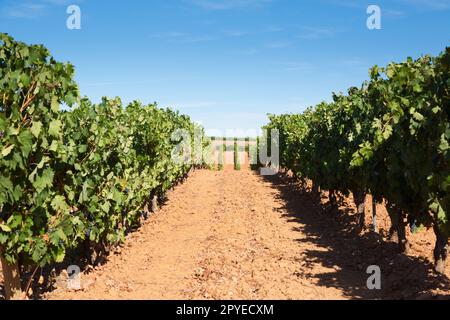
x=237, y=235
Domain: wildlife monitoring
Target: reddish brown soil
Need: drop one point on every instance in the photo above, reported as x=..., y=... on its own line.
x=237, y=235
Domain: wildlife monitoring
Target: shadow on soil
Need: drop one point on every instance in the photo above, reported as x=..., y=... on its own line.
x=349, y=254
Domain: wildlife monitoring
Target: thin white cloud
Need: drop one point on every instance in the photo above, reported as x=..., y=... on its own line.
x=278, y=44
x=185, y=37
x=295, y=66
x=182, y=37
x=273, y=29
x=195, y=104
x=400, y=11
x=228, y=4
x=316, y=33
x=353, y=62
x=354, y=4
x=394, y=13
x=60, y=2
x=115, y=83
x=247, y=52
x=235, y=33
x=24, y=10
x=31, y=9
x=428, y=4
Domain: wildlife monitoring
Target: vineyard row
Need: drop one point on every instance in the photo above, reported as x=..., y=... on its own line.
x=389, y=138
x=74, y=177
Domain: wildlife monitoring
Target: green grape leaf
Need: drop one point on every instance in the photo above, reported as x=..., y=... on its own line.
x=55, y=104
x=59, y=204
x=5, y=228
x=6, y=151
x=44, y=181
x=36, y=128
x=25, y=139
x=55, y=128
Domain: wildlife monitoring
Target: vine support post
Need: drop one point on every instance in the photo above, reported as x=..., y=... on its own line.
x=154, y=204
x=401, y=233
x=374, y=215
x=315, y=189
x=11, y=274
x=360, y=202
x=398, y=227
x=440, y=250
x=333, y=201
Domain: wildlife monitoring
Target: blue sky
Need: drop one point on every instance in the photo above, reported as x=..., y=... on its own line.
x=228, y=63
